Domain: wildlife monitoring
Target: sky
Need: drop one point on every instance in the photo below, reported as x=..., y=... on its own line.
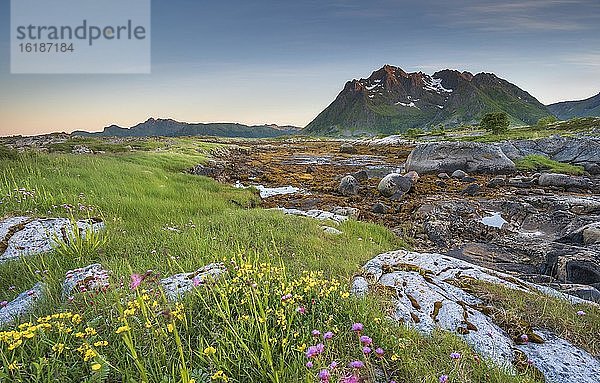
x=283, y=62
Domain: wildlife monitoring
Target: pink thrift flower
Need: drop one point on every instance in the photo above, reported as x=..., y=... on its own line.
x=356, y=364
x=3, y=303
x=581, y=313
x=366, y=340
x=455, y=355
x=524, y=338
x=136, y=280
x=196, y=281
x=301, y=310
x=333, y=365
x=324, y=375
x=316, y=333
x=444, y=379
x=309, y=364
x=328, y=335
x=379, y=352
x=366, y=350
x=357, y=327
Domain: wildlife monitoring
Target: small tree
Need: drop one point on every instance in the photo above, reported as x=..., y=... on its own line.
x=496, y=122
x=545, y=121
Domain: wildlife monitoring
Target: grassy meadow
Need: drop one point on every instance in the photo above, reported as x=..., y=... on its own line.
x=267, y=321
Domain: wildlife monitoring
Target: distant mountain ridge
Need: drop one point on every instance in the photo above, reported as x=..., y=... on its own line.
x=392, y=100
x=172, y=128
x=590, y=107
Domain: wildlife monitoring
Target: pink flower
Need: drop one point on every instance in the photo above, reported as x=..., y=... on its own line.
x=196, y=281
x=366, y=350
x=333, y=365
x=301, y=310
x=379, y=352
x=3, y=303
x=136, y=280
x=316, y=333
x=328, y=335
x=581, y=313
x=444, y=379
x=286, y=297
x=366, y=340
x=357, y=327
x=309, y=364
x=313, y=351
x=350, y=379
x=356, y=364
x=324, y=376
x=455, y=355
x=524, y=338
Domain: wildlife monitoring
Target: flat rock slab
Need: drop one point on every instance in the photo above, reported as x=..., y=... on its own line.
x=24, y=236
x=560, y=361
x=321, y=215
x=21, y=305
x=90, y=278
x=426, y=299
x=179, y=284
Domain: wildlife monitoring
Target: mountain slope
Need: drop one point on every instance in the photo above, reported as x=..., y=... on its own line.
x=172, y=128
x=590, y=107
x=392, y=100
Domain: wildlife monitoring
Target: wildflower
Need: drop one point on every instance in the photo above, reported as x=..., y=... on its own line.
x=309, y=364
x=170, y=327
x=357, y=327
x=324, y=375
x=210, y=350
x=196, y=281
x=122, y=329
x=3, y=304
x=379, y=352
x=96, y=366
x=455, y=355
x=101, y=343
x=313, y=351
x=524, y=338
x=316, y=333
x=12, y=288
x=219, y=375
x=350, y=379
x=530, y=362
x=366, y=340
x=345, y=295
x=333, y=365
x=444, y=379
x=286, y=297
x=356, y=364
x=136, y=280
x=581, y=313
x=394, y=357
x=58, y=348
x=328, y=335
x=13, y=366
x=301, y=310
x=366, y=350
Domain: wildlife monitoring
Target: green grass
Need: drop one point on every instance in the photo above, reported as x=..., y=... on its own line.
x=162, y=219
x=536, y=162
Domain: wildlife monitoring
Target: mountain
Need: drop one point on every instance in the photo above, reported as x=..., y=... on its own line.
x=590, y=107
x=392, y=100
x=172, y=128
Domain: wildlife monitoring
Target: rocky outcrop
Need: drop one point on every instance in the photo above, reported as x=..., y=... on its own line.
x=564, y=181
x=24, y=236
x=427, y=295
x=177, y=285
x=316, y=214
x=90, y=278
x=448, y=157
x=577, y=151
x=21, y=305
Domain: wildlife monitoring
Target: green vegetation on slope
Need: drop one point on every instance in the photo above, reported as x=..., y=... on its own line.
x=538, y=162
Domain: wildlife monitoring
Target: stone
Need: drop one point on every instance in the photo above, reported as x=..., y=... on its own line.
x=591, y=234
x=81, y=149
x=472, y=157
x=320, y=215
x=348, y=186
x=471, y=190
x=348, y=148
x=394, y=183
x=21, y=305
x=347, y=211
x=360, y=287
x=178, y=285
x=361, y=175
x=89, y=278
x=380, y=208
x=23, y=236
x=459, y=174
x=444, y=176
x=331, y=230
x=412, y=176
x=564, y=181
x=495, y=182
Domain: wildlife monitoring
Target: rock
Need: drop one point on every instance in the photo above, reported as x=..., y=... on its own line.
x=360, y=287
x=361, y=175
x=347, y=211
x=21, y=305
x=23, y=236
x=412, y=176
x=459, y=174
x=331, y=230
x=447, y=157
x=471, y=190
x=495, y=182
x=591, y=234
x=81, y=149
x=379, y=208
x=348, y=148
x=560, y=361
x=178, y=285
x=90, y=278
x=564, y=181
x=444, y=176
x=468, y=179
x=348, y=186
x=586, y=292
x=429, y=296
x=394, y=183
x=316, y=214
x=206, y=171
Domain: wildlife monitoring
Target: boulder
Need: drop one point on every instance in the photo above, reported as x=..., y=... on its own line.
x=412, y=176
x=331, y=230
x=471, y=190
x=447, y=157
x=459, y=174
x=21, y=305
x=496, y=181
x=320, y=215
x=177, y=285
x=591, y=234
x=443, y=176
x=348, y=148
x=394, y=184
x=564, y=181
x=380, y=208
x=361, y=175
x=24, y=236
x=89, y=278
x=348, y=186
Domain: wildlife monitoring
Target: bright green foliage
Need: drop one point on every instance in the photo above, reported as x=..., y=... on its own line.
x=496, y=122
x=537, y=162
x=545, y=121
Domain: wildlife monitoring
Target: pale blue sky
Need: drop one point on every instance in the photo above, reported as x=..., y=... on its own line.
x=283, y=62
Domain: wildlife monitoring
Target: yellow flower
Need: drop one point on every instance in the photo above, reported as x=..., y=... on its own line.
x=13, y=366
x=219, y=375
x=210, y=350
x=170, y=327
x=345, y=295
x=89, y=331
x=122, y=329
x=58, y=348
x=96, y=366
x=148, y=324
x=395, y=357
x=101, y=343
x=79, y=335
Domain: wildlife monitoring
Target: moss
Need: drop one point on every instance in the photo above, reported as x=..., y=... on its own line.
x=536, y=162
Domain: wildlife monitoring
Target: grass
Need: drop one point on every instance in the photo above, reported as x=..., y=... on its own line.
x=536, y=162
x=162, y=219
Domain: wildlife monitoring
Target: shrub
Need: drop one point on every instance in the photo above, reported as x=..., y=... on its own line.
x=496, y=122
